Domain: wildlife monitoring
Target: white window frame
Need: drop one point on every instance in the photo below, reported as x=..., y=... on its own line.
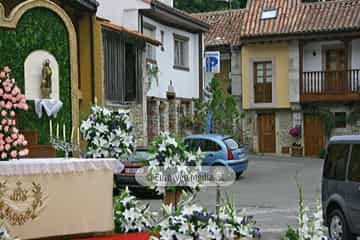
x=150, y=31
x=181, y=52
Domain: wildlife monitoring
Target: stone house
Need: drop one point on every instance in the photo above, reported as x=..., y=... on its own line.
x=172, y=74
x=300, y=61
x=299, y=68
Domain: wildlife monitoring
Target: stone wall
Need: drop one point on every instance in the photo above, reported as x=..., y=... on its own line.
x=283, y=124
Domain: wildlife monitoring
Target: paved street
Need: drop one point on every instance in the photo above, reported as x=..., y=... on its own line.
x=268, y=191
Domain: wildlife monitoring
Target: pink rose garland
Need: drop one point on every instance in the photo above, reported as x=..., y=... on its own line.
x=12, y=143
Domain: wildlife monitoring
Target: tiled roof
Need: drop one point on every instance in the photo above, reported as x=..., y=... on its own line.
x=295, y=17
x=225, y=27
x=179, y=13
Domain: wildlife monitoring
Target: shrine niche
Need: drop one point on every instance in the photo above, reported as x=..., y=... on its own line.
x=41, y=75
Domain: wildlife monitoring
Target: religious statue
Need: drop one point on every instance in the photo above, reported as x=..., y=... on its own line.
x=46, y=80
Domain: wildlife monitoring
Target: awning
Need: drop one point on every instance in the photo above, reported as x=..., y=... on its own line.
x=107, y=24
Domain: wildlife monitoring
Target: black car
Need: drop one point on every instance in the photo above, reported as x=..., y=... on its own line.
x=341, y=188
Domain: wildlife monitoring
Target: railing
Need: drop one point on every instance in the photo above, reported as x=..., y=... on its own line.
x=328, y=82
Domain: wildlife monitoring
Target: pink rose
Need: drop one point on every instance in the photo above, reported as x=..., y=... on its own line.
x=13, y=154
x=1, y=148
x=14, y=136
x=12, y=114
x=8, y=139
x=7, y=69
x=3, y=113
x=7, y=147
x=15, y=130
x=2, y=74
x=4, y=121
x=3, y=155
x=6, y=129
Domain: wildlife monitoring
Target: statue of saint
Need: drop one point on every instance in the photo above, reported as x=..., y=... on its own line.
x=46, y=80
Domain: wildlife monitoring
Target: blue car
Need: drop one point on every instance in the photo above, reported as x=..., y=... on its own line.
x=220, y=150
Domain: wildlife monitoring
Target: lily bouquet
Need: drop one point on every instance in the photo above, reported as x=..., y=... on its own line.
x=129, y=216
x=173, y=161
x=108, y=133
x=193, y=222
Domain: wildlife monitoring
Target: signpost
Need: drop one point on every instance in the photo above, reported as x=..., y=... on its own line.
x=212, y=62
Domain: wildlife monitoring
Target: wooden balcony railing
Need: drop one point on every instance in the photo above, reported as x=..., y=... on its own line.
x=330, y=82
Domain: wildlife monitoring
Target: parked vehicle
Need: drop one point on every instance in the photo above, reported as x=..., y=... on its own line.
x=341, y=188
x=220, y=150
x=133, y=165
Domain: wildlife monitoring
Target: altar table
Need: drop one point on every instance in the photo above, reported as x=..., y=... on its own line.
x=57, y=197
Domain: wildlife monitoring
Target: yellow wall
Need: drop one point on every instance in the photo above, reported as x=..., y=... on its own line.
x=85, y=63
x=276, y=51
x=99, y=61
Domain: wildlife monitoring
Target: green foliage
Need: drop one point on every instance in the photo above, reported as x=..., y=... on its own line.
x=222, y=106
x=193, y=6
x=290, y=234
x=39, y=28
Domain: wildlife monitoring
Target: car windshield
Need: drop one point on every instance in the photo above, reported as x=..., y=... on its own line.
x=231, y=143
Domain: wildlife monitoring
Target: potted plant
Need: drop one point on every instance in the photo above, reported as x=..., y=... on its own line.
x=296, y=148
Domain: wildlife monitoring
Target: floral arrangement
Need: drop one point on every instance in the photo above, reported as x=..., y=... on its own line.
x=129, y=216
x=309, y=229
x=12, y=143
x=108, y=133
x=172, y=159
x=191, y=221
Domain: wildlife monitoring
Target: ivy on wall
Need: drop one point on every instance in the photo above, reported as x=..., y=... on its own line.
x=38, y=29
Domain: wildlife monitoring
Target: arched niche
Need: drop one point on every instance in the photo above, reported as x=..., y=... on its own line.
x=33, y=75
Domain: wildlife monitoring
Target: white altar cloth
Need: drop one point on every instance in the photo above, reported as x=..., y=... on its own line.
x=42, y=198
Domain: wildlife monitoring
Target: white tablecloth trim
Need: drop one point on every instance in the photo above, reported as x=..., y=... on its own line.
x=57, y=166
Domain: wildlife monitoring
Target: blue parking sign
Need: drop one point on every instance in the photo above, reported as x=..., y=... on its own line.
x=212, y=62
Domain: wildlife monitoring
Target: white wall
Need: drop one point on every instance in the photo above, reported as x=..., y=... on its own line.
x=186, y=83
x=124, y=13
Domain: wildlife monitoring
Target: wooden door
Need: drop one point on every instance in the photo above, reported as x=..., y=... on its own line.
x=266, y=132
x=313, y=135
x=335, y=70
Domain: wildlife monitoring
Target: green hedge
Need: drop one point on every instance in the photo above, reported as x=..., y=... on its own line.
x=38, y=29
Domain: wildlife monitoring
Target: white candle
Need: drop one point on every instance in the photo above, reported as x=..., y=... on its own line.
x=51, y=130
x=57, y=130
x=64, y=132
x=78, y=136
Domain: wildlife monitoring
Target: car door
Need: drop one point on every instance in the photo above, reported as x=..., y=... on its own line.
x=353, y=187
x=212, y=151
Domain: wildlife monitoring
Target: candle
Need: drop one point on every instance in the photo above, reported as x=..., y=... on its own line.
x=57, y=130
x=72, y=134
x=51, y=133
x=78, y=136
x=64, y=132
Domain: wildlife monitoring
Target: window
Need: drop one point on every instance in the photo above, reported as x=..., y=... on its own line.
x=336, y=161
x=354, y=169
x=121, y=68
x=269, y=14
x=204, y=144
x=340, y=120
x=181, y=52
x=150, y=31
x=263, y=77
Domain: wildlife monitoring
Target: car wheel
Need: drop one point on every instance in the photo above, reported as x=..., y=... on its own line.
x=338, y=227
x=239, y=174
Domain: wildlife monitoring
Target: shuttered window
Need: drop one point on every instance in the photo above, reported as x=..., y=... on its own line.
x=121, y=67
x=263, y=75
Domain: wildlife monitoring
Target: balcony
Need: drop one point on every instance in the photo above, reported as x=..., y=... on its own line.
x=319, y=86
